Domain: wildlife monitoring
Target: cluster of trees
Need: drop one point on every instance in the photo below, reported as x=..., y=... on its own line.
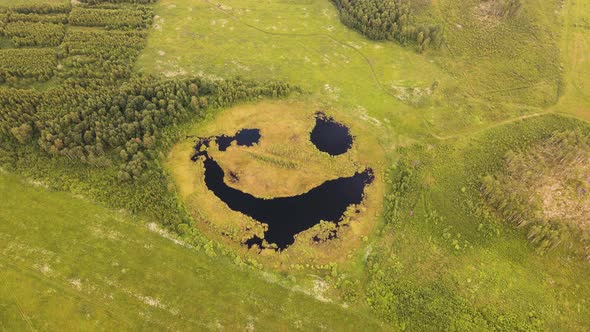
x=33, y=33
x=42, y=8
x=87, y=58
x=388, y=20
x=18, y=107
x=502, y=8
x=100, y=57
x=34, y=63
x=43, y=18
x=30, y=107
x=517, y=208
x=124, y=124
x=514, y=193
x=119, y=18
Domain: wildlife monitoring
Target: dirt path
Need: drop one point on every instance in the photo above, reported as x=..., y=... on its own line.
x=317, y=34
x=494, y=125
x=567, y=40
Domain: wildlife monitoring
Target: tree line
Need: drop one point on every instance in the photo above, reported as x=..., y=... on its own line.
x=388, y=20
x=37, y=64
x=33, y=33
x=38, y=8
x=112, y=18
x=123, y=122
x=43, y=18
x=99, y=57
x=514, y=193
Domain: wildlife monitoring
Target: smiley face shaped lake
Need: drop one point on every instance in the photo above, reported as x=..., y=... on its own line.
x=288, y=216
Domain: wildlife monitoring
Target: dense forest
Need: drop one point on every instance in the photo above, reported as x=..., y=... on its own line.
x=26, y=65
x=388, y=20
x=112, y=18
x=544, y=190
x=93, y=110
x=33, y=34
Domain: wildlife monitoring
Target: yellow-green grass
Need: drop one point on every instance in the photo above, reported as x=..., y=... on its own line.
x=575, y=45
x=439, y=243
x=284, y=163
x=68, y=264
x=511, y=59
x=8, y=3
x=305, y=44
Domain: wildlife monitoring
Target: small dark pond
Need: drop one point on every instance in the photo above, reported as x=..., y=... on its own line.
x=244, y=137
x=330, y=136
x=285, y=216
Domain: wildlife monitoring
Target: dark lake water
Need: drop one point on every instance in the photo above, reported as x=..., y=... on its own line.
x=244, y=137
x=285, y=216
x=330, y=136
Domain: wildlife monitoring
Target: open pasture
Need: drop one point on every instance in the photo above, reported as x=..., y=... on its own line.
x=66, y=263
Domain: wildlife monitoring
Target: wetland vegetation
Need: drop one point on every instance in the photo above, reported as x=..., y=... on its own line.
x=360, y=165
x=285, y=217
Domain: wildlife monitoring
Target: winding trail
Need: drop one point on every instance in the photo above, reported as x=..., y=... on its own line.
x=316, y=34
x=366, y=59
x=493, y=125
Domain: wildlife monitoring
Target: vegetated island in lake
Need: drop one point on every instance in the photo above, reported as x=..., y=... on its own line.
x=285, y=216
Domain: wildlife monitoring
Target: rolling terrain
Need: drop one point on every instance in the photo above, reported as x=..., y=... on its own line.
x=472, y=114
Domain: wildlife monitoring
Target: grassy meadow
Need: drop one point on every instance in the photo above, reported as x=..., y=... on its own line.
x=428, y=253
x=442, y=92
x=303, y=43
x=575, y=44
x=435, y=261
x=69, y=264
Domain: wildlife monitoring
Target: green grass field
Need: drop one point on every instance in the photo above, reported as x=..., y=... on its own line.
x=69, y=264
x=434, y=124
x=307, y=45
x=574, y=47
x=301, y=43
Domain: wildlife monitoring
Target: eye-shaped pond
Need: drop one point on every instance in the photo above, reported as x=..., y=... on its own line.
x=330, y=136
x=285, y=216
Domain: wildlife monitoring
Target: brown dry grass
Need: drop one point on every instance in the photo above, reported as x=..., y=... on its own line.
x=563, y=201
x=284, y=163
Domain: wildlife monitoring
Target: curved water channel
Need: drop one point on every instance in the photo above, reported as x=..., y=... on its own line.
x=285, y=216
